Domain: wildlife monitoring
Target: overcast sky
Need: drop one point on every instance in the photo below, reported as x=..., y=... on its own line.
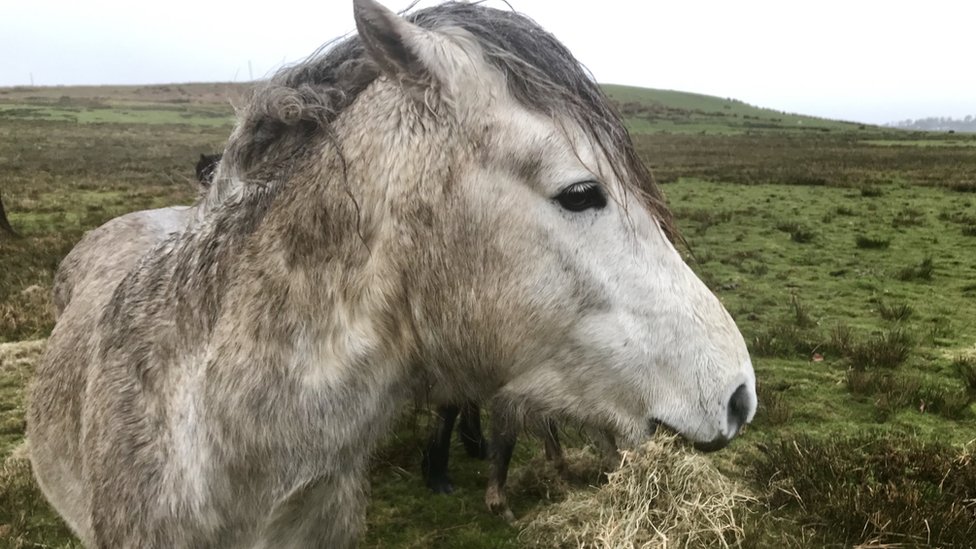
x=872, y=61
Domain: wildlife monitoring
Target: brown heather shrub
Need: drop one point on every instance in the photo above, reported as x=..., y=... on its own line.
x=962, y=186
x=922, y=271
x=893, y=392
x=908, y=217
x=875, y=491
x=871, y=243
x=798, y=233
x=26, y=314
x=801, y=316
x=895, y=313
x=785, y=340
x=948, y=402
x=965, y=367
x=885, y=350
x=774, y=407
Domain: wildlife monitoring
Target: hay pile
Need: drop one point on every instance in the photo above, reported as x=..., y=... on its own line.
x=663, y=495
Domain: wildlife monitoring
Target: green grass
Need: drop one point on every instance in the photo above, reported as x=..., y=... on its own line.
x=931, y=142
x=108, y=114
x=846, y=264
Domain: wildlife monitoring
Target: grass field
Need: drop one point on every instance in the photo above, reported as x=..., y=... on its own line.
x=846, y=254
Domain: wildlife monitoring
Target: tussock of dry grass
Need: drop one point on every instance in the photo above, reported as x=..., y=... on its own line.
x=26, y=314
x=663, y=495
x=20, y=355
x=887, y=491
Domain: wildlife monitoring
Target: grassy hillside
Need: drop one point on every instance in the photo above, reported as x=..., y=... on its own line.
x=646, y=110
x=652, y=111
x=846, y=256
x=207, y=104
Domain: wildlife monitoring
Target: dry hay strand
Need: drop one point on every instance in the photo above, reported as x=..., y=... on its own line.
x=663, y=495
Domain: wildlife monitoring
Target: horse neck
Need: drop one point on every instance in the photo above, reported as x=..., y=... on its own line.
x=310, y=321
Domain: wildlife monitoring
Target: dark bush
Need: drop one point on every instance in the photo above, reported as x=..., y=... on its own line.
x=785, y=340
x=922, y=271
x=885, y=350
x=876, y=491
x=798, y=233
x=871, y=243
x=908, y=217
x=895, y=313
x=965, y=367
x=963, y=186
x=774, y=407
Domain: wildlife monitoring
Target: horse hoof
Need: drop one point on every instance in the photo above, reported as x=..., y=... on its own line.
x=440, y=486
x=497, y=504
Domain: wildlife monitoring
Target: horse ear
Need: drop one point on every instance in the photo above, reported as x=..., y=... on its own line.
x=393, y=42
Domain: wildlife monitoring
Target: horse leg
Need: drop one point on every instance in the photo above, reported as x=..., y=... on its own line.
x=434, y=463
x=554, y=450
x=606, y=445
x=502, y=445
x=470, y=431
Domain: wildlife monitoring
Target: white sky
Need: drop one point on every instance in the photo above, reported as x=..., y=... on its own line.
x=864, y=60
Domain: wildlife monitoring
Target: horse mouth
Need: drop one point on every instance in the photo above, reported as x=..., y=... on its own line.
x=713, y=445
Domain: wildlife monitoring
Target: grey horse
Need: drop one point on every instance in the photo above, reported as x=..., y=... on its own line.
x=445, y=201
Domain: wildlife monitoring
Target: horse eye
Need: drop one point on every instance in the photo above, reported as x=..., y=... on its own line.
x=582, y=196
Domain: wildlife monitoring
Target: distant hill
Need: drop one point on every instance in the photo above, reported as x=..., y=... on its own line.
x=645, y=110
x=938, y=124
x=655, y=111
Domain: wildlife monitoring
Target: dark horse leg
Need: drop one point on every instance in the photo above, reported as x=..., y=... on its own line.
x=4, y=224
x=503, y=437
x=470, y=431
x=554, y=450
x=434, y=463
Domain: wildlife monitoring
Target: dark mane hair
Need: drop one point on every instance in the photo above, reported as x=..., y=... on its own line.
x=206, y=167
x=303, y=100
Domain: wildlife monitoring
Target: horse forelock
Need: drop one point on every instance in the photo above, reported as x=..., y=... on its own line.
x=300, y=103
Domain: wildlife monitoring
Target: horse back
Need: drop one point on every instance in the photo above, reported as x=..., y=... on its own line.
x=83, y=287
x=106, y=254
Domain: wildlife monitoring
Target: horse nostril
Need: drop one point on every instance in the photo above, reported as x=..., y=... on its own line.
x=738, y=409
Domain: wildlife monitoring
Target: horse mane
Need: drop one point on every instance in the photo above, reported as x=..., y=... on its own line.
x=303, y=100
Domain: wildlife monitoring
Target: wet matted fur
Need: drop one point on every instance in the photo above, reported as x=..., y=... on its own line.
x=444, y=203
